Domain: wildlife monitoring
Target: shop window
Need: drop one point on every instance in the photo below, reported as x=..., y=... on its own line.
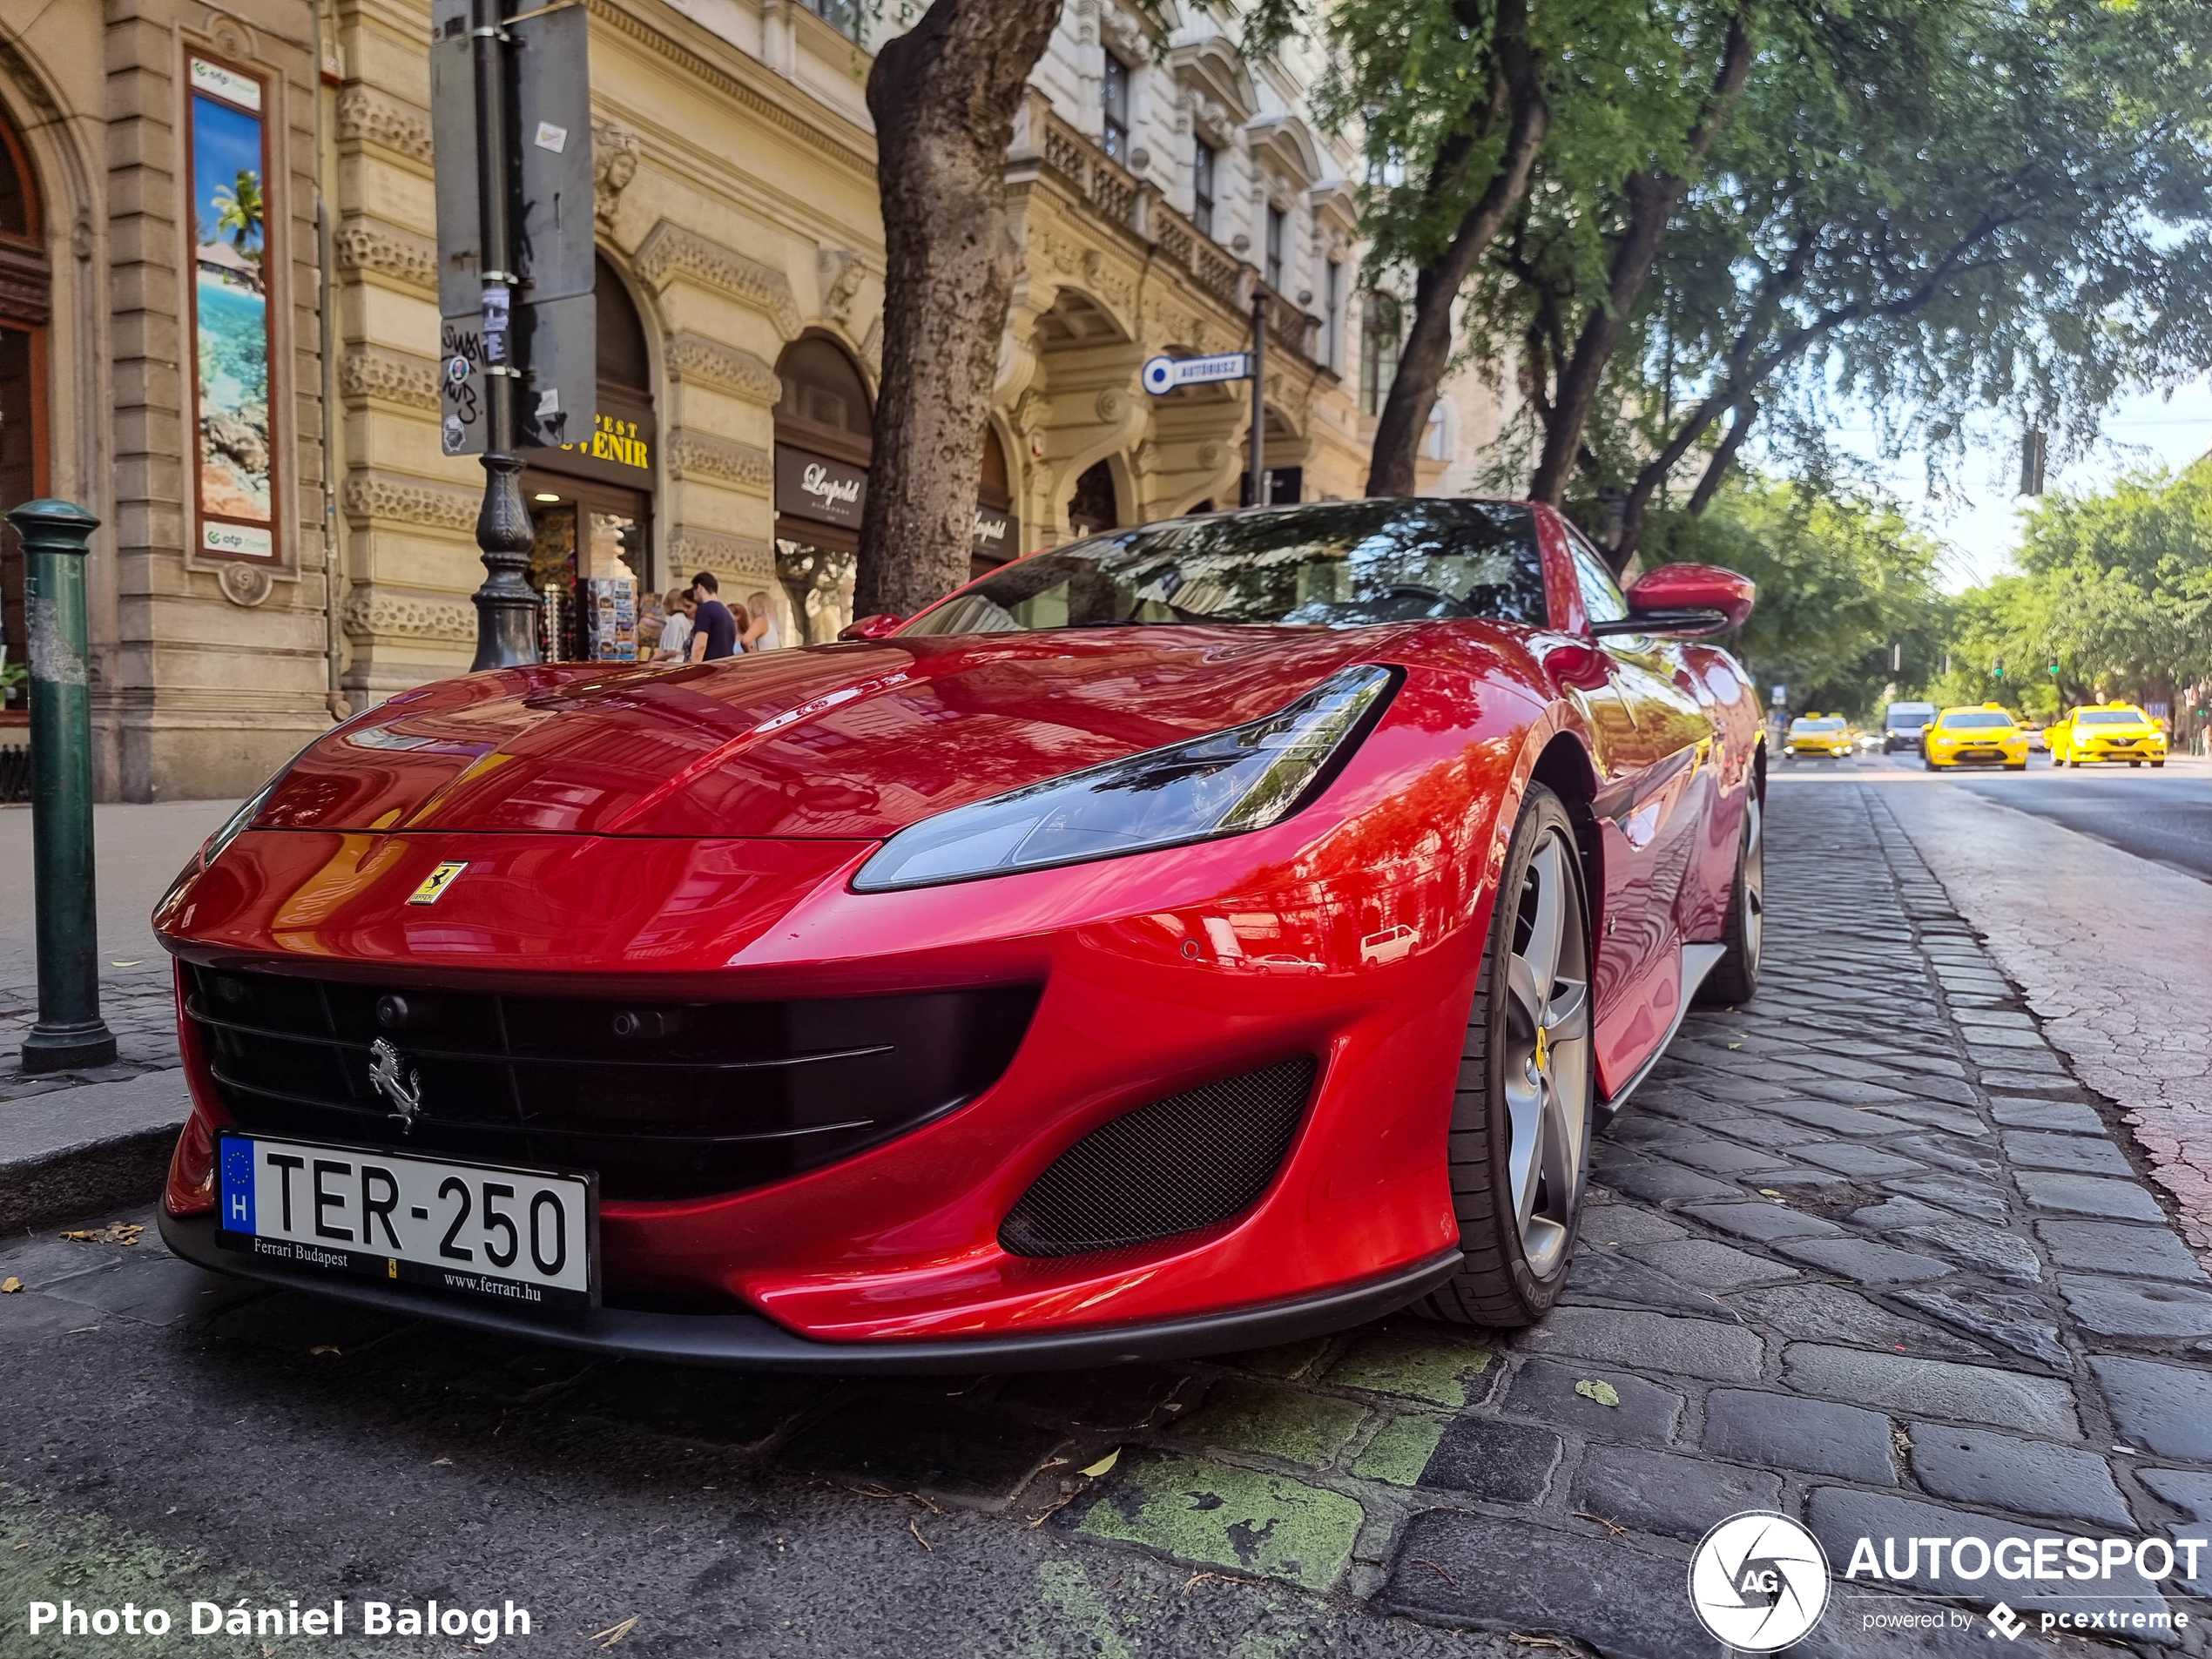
x=1380, y=330
x=1114, y=92
x=823, y=442
x=1202, y=166
x=998, y=528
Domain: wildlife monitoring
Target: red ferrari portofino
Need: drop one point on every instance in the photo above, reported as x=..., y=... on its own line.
x=1194, y=937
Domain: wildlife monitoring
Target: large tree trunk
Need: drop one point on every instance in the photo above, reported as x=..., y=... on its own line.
x=1652, y=195
x=944, y=96
x=1517, y=96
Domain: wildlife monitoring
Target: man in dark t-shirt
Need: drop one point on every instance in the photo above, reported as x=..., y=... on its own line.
x=714, y=631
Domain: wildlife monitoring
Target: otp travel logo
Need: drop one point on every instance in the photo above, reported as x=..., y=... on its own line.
x=1758, y=1582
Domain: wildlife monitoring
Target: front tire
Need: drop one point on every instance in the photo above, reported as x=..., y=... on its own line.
x=1735, y=978
x=1518, y=1153
x=2016, y=766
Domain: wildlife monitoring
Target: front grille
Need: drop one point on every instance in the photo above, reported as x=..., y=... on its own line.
x=666, y=1100
x=1173, y=1167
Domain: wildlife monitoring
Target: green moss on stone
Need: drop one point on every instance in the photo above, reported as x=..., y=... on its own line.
x=1266, y=1525
x=1413, y=1364
x=1401, y=1451
x=1283, y=1422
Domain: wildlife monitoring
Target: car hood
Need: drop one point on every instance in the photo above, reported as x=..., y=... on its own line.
x=853, y=740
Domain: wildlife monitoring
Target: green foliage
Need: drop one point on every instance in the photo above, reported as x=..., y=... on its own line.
x=1842, y=579
x=2116, y=587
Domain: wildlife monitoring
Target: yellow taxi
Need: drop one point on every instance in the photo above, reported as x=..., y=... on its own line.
x=1987, y=736
x=2110, y=731
x=1819, y=734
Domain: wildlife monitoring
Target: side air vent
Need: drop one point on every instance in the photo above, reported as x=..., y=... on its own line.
x=1176, y=1165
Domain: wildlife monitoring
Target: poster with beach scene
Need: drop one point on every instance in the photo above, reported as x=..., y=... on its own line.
x=231, y=312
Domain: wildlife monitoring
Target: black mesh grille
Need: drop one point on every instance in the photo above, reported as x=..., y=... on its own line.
x=1178, y=1164
x=664, y=1099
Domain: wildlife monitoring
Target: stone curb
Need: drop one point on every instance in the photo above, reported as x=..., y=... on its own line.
x=80, y=1151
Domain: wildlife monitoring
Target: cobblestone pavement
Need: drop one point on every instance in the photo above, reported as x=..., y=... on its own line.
x=1863, y=1252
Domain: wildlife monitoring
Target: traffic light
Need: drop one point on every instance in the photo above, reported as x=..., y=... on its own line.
x=2055, y=668
x=1998, y=669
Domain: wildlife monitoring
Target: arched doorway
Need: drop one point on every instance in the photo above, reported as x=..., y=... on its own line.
x=591, y=504
x=825, y=440
x=1091, y=507
x=26, y=290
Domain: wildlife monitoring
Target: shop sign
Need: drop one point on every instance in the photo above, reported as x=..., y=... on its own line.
x=626, y=443
x=996, y=533
x=811, y=486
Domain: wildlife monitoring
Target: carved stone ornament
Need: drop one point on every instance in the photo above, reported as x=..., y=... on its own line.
x=1211, y=454
x=1113, y=405
x=698, y=360
x=839, y=270
x=1124, y=33
x=378, y=496
x=244, y=584
x=371, y=612
x=390, y=376
x=1032, y=411
x=872, y=348
x=615, y=155
x=744, y=557
x=367, y=116
x=231, y=37
x=670, y=252
x=367, y=245
x=700, y=455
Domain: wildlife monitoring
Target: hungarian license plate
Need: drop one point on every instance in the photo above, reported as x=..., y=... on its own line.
x=526, y=1239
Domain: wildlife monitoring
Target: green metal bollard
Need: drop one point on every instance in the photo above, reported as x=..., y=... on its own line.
x=70, y=1033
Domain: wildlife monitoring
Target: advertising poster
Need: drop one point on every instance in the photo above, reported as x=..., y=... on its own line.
x=236, y=454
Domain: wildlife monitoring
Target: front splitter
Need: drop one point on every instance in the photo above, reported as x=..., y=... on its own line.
x=748, y=1342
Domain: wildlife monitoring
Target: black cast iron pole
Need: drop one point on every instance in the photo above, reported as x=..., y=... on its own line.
x=70, y=1035
x=1258, y=463
x=507, y=606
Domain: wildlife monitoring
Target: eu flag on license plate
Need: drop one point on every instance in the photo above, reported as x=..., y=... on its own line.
x=238, y=1184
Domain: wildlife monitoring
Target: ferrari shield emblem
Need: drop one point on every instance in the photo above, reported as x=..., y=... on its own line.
x=435, y=883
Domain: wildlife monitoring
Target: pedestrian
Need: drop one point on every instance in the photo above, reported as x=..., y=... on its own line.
x=675, y=633
x=763, y=635
x=714, y=631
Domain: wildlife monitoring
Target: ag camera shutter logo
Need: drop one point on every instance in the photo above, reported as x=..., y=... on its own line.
x=1758, y=1582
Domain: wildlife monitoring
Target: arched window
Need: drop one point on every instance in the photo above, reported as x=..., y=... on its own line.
x=1381, y=328
x=623, y=364
x=822, y=389
x=25, y=290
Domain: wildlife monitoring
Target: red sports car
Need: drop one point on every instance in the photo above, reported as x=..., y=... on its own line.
x=1194, y=937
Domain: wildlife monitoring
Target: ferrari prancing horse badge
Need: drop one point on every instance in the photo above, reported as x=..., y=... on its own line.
x=437, y=882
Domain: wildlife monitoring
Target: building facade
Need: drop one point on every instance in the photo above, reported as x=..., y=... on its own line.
x=160, y=365
x=219, y=330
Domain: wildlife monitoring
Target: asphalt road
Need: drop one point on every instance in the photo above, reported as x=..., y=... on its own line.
x=2164, y=815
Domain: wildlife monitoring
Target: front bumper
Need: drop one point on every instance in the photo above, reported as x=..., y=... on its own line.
x=747, y=1342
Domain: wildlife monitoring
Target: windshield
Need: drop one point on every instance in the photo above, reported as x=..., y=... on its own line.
x=1826, y=723
x=2111, y=716
x=1334, y=564
x=1974, y=719
x=1901, y=718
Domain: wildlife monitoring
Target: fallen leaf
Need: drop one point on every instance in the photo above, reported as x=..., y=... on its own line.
x=10, y=1285
x=132, y=963
x=441, y=1462
x=120, y=1232
x=324, y=1348
x=1735, y=1045
x=614, y=1633
x=1769, y=1192
x=1604, y=1392
x=1103, y=1464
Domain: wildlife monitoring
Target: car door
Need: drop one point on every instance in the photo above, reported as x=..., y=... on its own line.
x=1655, y=792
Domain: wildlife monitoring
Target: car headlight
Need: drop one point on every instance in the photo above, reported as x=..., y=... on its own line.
x=1226, y=782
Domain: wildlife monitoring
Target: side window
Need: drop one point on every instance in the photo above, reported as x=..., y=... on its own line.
x=1602, y=595
x=1504, y=577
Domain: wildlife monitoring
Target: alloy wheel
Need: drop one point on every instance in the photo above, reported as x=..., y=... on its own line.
x=1753, y=880
x=1548, y=1053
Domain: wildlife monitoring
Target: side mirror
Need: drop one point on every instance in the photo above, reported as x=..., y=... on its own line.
x=875, y=627
x=1685, y=602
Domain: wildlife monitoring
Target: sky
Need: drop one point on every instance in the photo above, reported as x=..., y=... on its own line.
x=1980, y=520
x=223, y=140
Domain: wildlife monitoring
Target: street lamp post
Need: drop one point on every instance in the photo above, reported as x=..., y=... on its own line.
x=69, y=1034
x=506, y=605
